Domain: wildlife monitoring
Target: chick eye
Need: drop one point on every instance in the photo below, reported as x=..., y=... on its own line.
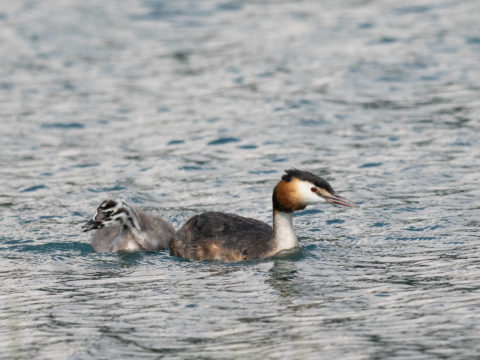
x=314, y=189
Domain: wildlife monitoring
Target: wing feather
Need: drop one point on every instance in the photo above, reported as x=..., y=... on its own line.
x=221, y=236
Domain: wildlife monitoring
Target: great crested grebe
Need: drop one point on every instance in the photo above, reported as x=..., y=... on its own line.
x=121, y=227
x=228, y=237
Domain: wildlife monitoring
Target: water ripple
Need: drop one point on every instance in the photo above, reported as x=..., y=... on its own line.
x=182, y=107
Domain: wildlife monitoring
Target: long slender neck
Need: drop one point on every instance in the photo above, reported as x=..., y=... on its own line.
x=283, y=235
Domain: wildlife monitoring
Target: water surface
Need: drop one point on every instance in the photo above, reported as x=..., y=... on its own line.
x=186, y=106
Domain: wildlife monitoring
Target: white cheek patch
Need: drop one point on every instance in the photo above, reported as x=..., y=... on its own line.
x=304, y=189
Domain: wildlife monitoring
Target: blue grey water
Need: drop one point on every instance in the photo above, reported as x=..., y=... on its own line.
x=184, y=106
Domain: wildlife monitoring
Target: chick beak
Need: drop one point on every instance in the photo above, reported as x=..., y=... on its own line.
x=95, y=223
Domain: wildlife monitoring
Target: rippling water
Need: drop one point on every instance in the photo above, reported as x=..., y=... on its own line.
x=184, y=106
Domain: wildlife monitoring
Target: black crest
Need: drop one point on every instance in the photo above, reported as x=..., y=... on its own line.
x=307, y=176
x=107, y=204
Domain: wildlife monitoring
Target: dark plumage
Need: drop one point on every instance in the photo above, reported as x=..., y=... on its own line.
x=108, y=204
x=221, y=236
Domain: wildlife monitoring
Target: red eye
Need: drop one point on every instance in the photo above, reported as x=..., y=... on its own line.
x=314, y=189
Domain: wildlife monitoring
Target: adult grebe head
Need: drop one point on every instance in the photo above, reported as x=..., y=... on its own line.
x=299, y=188
x=110, y=213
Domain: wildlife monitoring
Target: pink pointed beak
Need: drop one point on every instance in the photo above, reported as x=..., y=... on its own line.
x=339, y=200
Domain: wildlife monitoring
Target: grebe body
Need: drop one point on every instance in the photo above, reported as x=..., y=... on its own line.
x=221, y=236
x=120, y=227
x=228, y=237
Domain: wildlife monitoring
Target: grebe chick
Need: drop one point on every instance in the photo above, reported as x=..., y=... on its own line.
x=227, y=237
x=120, y=227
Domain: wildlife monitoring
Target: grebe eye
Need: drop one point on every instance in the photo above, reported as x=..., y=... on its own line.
x=314, y=189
